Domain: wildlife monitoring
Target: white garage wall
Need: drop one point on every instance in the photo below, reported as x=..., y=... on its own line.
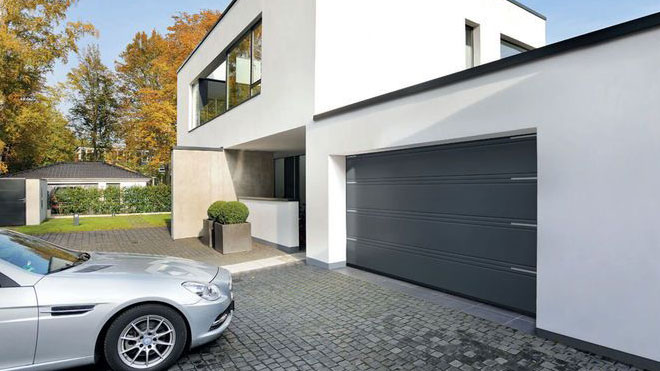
x=370, y=47
x=595, y=111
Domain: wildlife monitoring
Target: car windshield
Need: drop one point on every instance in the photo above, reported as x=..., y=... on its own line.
x=34, y=255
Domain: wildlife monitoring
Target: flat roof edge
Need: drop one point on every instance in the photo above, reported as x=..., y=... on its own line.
x=528, y=9
x=222, y=15
x=229, y=6
x=578, y=42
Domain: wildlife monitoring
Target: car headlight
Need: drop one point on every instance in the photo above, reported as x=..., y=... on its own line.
x=231, y=282
x=206, y=291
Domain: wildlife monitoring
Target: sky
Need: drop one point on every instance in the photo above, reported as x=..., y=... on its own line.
x=118, y=20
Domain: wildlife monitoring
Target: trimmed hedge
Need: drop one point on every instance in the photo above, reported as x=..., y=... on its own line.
x=232, y=212
x=147, y=199
x=112, y=200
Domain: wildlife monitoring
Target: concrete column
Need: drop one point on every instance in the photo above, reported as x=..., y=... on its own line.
x=35, y=201
x=326, y=210
x=199, y=177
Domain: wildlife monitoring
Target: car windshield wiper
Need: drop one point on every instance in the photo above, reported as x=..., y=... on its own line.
x=80, y=258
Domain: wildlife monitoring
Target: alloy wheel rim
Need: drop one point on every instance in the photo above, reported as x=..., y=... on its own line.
x=146, y=341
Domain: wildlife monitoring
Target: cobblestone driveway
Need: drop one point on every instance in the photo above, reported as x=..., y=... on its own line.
x=155, y=241
x=298, y=317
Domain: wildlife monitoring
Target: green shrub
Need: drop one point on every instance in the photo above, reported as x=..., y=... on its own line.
x=76, y=200
x=214, y=210
x=147, y=199
x=113, y=200
x=233, y=212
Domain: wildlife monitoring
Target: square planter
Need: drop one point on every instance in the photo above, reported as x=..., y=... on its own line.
x=207, y=233
x=231, y=238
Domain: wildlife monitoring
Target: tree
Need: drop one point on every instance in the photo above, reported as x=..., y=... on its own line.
x=94, y=112
x=32, y=39
x=40, y=134
x=147, y=71
x=136, y=69
x=136, y=77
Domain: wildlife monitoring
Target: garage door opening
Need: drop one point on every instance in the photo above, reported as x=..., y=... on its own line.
x=459, y=218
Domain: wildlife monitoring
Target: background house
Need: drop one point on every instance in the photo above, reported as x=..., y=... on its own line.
x=83, y=174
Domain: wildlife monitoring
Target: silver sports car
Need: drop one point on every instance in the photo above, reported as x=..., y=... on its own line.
x=60, y=308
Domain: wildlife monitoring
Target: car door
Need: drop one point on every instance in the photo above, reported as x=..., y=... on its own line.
x=18, y=323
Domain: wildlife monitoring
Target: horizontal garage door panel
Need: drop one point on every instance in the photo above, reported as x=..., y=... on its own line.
x=507, y=288
x=459, y=217
x=509, y=245
x=509, y=200
x=500, y=156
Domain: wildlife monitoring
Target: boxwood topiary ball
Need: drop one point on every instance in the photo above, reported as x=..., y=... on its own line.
x=233, y=212
x=214, y=210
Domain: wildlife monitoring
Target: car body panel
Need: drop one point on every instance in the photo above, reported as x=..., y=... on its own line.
x=57, y=365
x=71, y=307
x=126, y=280
x=18, y=326
x=21, y=277
x=152, y=265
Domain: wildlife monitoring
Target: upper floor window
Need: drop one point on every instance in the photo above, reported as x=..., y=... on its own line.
x=236, y=79
x=509, y=47
x=470, y=60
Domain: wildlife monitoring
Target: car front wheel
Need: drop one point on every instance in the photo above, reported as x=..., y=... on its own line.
x=147, y=337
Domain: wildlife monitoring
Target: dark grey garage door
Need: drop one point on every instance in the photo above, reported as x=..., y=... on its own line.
x=12, y=202
x=459, y=217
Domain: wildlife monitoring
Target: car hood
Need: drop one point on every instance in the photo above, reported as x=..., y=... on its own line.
x=154, y=265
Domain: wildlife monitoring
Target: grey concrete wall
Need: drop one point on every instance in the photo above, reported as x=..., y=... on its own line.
x=252, y=172
x=199, y=177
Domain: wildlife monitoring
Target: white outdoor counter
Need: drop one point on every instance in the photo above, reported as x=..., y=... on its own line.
x=274, y=221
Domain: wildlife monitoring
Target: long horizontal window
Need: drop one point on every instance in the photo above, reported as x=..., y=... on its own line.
x=236, y=79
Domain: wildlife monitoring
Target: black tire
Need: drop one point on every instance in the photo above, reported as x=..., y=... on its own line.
x=111, y=340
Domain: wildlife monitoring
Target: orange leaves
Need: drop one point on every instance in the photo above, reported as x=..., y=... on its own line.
x=32, y=40
x=147, y=71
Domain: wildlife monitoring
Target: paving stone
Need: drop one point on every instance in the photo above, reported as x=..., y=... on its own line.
x=156, y=241
x=305, y=318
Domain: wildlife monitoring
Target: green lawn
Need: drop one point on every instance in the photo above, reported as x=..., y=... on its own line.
x=65, y=225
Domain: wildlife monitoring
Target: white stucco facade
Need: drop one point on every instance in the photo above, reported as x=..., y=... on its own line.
x=274, y=221
x=371, y=47
x=286, y=99
x=315, y=58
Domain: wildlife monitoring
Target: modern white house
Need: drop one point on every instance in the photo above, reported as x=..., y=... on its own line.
x=442, y=143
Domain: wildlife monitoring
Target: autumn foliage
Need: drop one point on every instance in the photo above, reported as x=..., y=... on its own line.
x=134, y=106
x=148, y=84
x=32, y=38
